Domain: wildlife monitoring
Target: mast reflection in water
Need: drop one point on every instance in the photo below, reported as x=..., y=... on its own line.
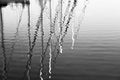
x=35, y=33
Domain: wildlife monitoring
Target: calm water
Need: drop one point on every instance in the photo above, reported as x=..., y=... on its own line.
x=96, y=54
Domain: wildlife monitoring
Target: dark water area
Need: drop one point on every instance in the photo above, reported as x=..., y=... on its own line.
x=27, y=54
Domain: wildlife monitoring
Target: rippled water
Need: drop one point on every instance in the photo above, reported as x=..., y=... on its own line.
x=95, y=56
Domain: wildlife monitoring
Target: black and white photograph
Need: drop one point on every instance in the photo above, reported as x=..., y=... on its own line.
x=59, y=39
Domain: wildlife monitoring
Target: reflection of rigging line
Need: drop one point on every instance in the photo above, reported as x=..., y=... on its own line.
x=20, y=19
x=61, y=26
x=73, y=39
x=51, y=34
x=31, y=44
x=42, y=42
x=55, y=58
x=75, y=34
x=38, y=24
x=28, y=66
x=50, y=61
x=15, y=37
x=53, y=52
x=4, y=73
x=66, y=11
x=36, y=32
x=50, y=47
x=53, y=31
x=48, y=44
x=53, y=28
x=35, y=35
x=55, y=19
x=57, y=54
x=29, y=34
x=83, y=14
x=69, y=18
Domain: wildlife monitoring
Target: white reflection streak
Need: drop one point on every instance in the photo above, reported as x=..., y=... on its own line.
x=73, y=34
x=61, y=27
x=41, y=74
x=50, y=60
x=28, y=75
x=50, y=47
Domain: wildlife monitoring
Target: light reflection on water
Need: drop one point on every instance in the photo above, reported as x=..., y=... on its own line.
x=30, y=52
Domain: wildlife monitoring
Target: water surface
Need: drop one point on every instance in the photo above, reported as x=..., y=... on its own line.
x=96, y=53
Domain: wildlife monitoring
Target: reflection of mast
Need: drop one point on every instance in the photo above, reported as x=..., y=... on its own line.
x=28, y=65
x=4, y=73
x=50, y=47
x=42, y=40
x=29, y=26
x=61, y=26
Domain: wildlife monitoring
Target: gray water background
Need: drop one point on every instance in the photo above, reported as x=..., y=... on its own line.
x=96, y=54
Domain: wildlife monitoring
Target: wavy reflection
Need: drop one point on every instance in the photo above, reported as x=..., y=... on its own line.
x=69, y=18
x=54, y=48
x=53, y=53
x=56, y=53
x=29, y=32
x=66, y=11
x=52, y=30
x=28, y=65
x=42, y=41
x=61, y=26
x=40, y=23
x=33, y=43
x=4, y=72
x=50, y=47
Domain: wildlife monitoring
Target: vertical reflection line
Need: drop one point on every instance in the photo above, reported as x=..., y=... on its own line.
x=66, y=11
x=42, y=31
x=53, y=29
x=73, y=39
x=50, y=47
x=55, y=55
x=29, y=34
x=4, y=73
x=61, y=27
x=42, y=42
x=29, y=37
x=40, y=23
x=31, y=46
x=20, y=19
x=50, y=60
x=55, y=18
